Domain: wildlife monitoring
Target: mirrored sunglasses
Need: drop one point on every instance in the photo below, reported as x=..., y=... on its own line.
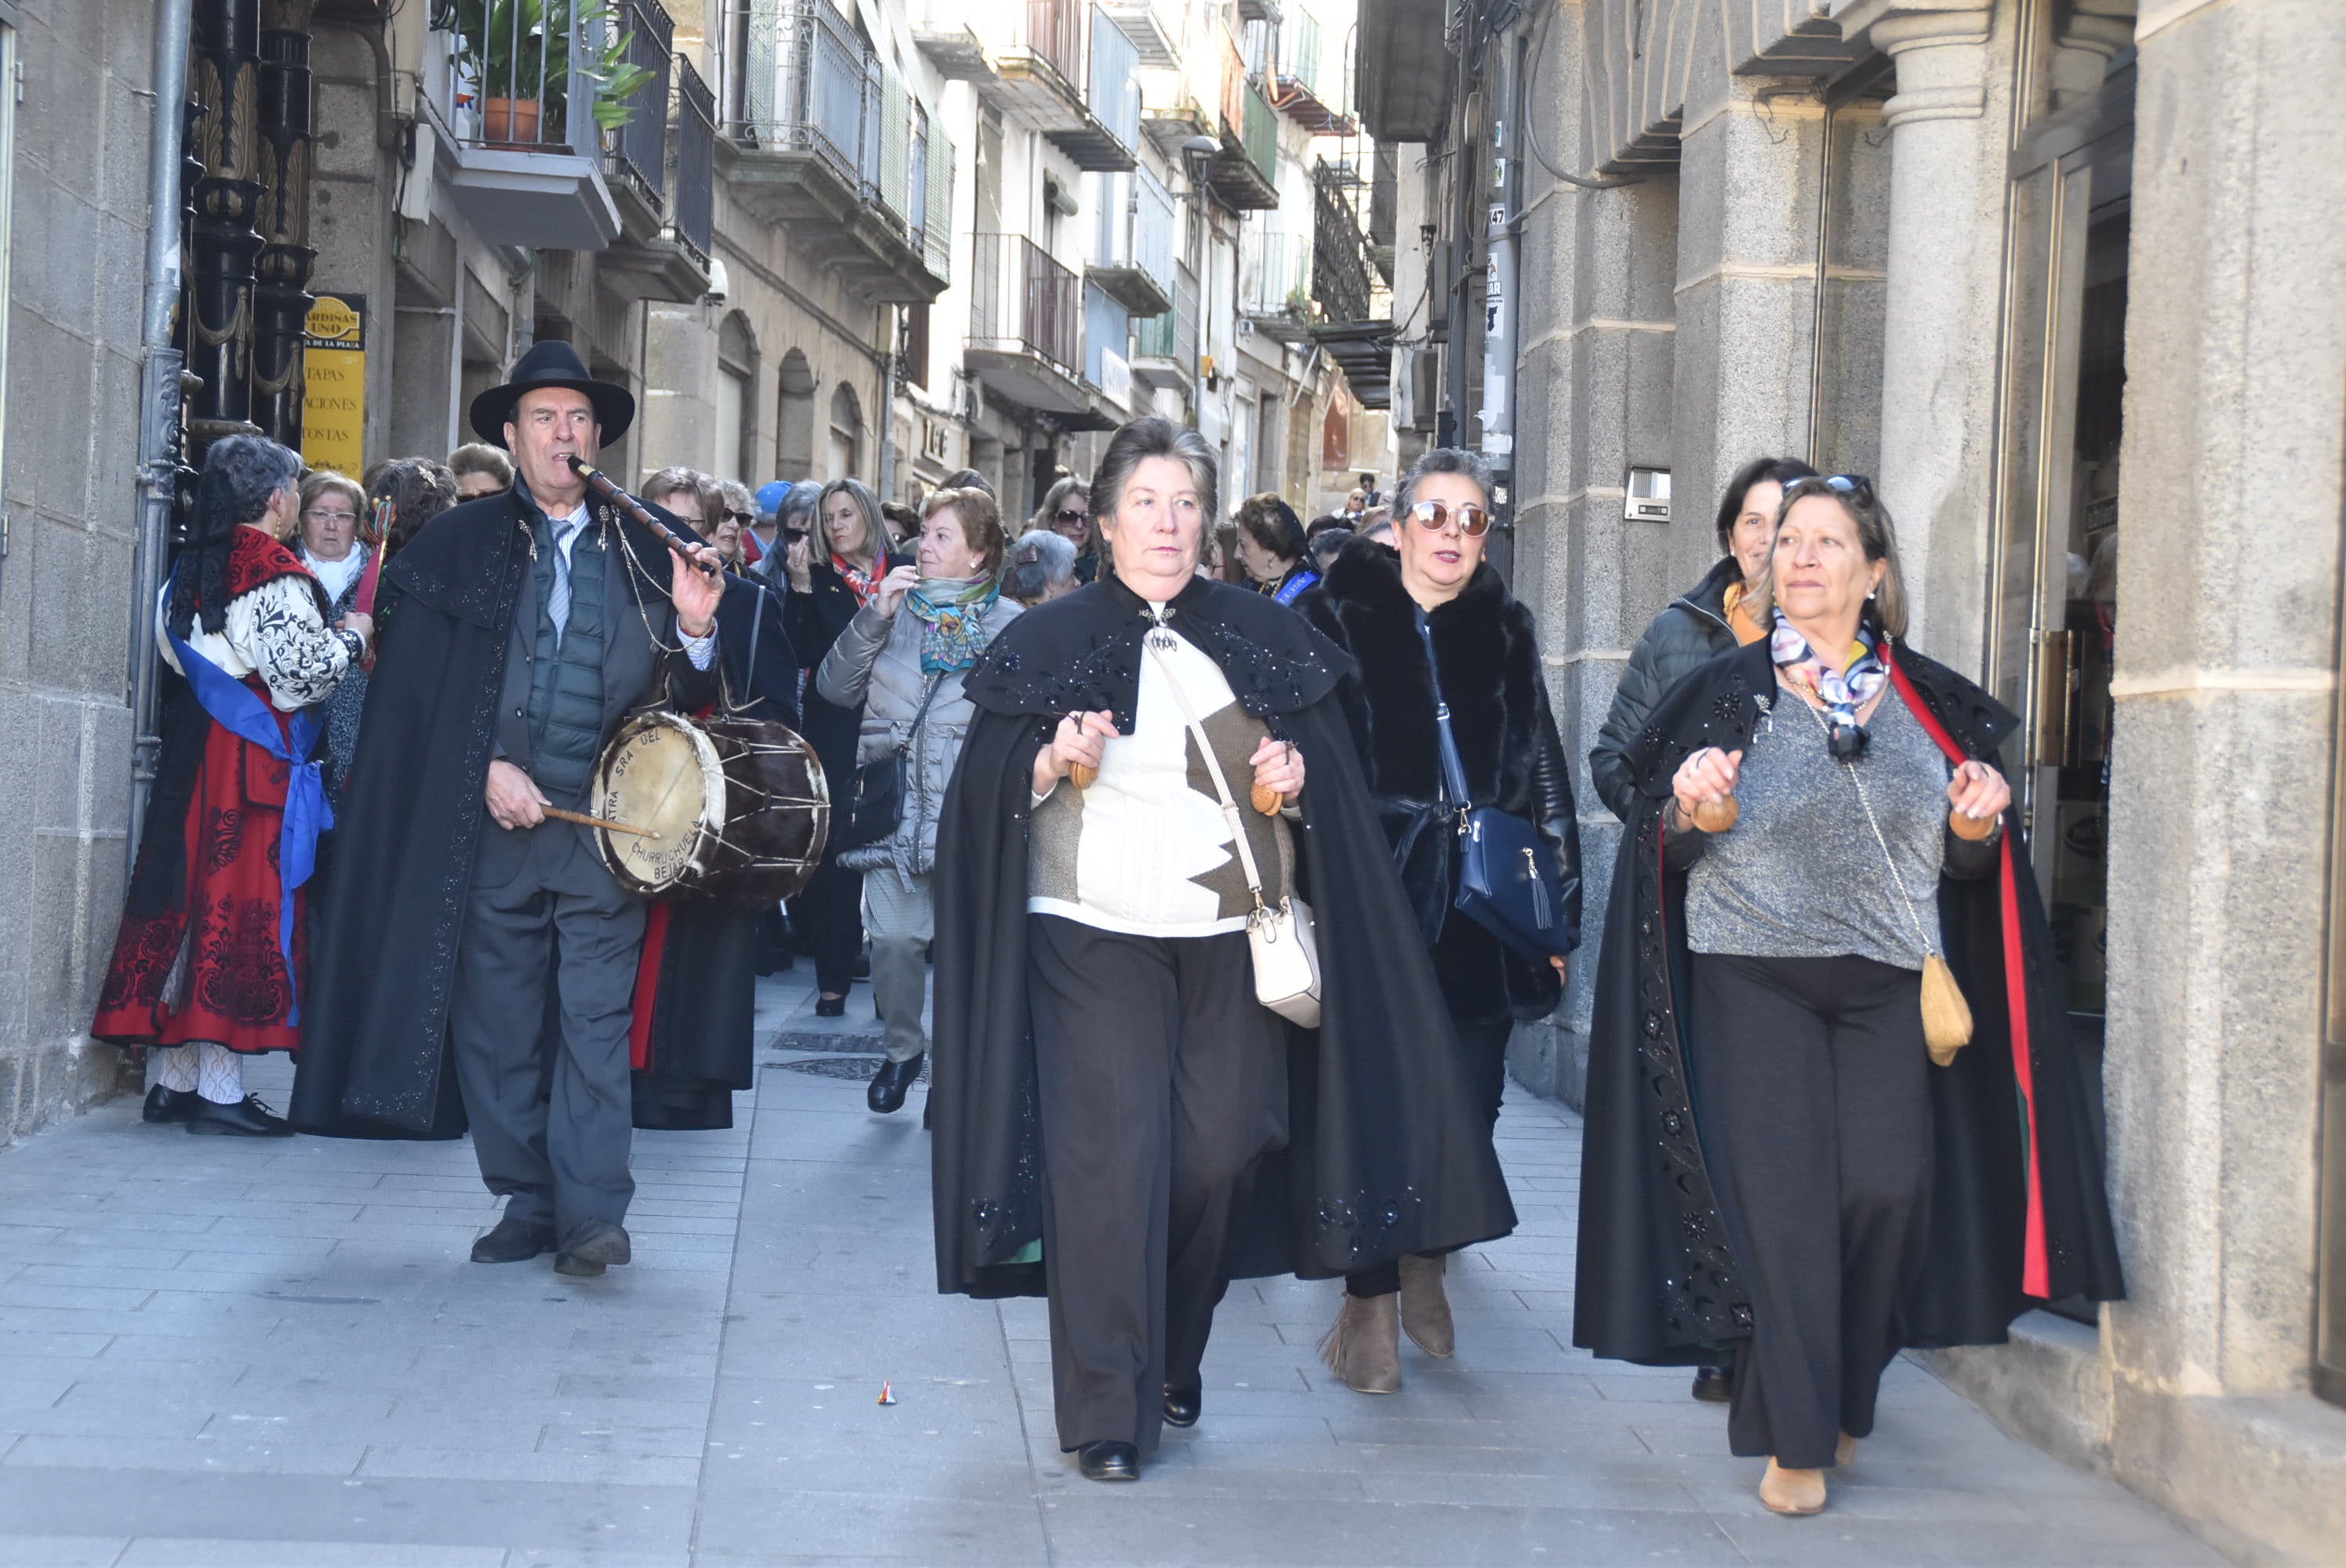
x=1435, y=515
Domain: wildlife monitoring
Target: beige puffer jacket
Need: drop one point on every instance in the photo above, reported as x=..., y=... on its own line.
x=876, y=663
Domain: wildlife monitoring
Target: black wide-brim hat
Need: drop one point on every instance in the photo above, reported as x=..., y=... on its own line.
x=553, y=363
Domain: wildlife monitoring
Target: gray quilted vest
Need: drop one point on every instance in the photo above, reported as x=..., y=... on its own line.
x=566, y=686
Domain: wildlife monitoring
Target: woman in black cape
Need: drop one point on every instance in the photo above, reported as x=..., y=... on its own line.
x=1378, y=1149
x=2016, y=1212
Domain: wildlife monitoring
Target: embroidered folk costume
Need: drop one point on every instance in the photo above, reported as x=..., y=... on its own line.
x=210, y=954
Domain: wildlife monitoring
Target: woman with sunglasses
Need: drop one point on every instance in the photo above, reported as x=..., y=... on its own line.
x=1432, y=624
x=1769, y=1129
x=1066, y=511
x=831, y=576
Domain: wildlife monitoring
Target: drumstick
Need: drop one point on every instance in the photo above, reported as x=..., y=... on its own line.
x=584, y=821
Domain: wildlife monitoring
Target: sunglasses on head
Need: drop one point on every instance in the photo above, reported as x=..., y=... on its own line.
x=1435, y=515
x=1856, y=484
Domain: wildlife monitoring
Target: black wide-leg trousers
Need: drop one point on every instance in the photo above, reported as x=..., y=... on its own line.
x=1811, y=1094
x=1162, y=1083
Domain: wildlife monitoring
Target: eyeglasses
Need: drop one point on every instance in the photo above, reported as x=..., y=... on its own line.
x=318, y=516
x=1435, y=515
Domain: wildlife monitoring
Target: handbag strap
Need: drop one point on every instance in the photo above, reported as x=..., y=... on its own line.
x=1453, y=771
x=1913, y=915
x=921, y=714
x=1213, y=766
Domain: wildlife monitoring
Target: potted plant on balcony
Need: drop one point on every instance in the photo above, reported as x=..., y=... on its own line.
x=517, y=52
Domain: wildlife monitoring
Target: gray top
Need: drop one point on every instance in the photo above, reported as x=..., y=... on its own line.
x=1800, y=874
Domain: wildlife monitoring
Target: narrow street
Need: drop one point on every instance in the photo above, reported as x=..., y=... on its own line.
x=253, y=1353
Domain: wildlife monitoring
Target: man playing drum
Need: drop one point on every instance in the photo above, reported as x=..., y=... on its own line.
x=529, y=624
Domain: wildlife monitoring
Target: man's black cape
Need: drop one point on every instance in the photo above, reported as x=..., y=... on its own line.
x=1387, y=1153
x=701, y=999
x=374, y=1059
x=2018, y=1212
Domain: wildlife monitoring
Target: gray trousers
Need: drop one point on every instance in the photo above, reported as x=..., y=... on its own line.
x=903, y=922
x=544, y=1079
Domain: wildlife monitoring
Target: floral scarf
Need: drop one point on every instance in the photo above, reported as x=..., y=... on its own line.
x=953, y=619
x=1842, y=691
x=864, y=586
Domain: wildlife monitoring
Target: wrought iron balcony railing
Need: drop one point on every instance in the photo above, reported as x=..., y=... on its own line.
x=1340, y=251
x=518, y=77
x=1024, y=300
x=639, y=148
x=692, y=199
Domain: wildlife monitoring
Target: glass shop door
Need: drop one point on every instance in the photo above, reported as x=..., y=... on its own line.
x=2053, y=594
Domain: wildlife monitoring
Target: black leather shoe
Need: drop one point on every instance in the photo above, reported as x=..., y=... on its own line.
x=1714, y=1385
x=514, y=1240
x=1181, y=1404
x=592, y=1248
x=891, y=1081
x=169, y=1105
x=247, y=1118
x=1110, y=1460
x=830, y=1007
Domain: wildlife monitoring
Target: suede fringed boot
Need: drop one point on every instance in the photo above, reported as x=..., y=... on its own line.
x=1364, y=1347
x=1425, y=1307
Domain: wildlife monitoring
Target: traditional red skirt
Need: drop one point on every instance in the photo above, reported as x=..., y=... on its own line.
x=235, y=989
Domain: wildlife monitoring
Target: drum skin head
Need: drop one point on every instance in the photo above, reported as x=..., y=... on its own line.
x=662, y=773
x=741, y=805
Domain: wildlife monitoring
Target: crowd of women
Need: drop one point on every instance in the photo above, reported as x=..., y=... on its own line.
x=1240, y=848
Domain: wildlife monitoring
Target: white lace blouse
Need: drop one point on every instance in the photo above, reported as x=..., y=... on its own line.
x=275, y=631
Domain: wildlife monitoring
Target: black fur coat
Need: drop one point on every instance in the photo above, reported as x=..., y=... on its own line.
x=1489, y=653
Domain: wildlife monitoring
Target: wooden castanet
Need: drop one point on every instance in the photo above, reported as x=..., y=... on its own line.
x=1973, y=829
x=1081, y=775
x=1717, y=816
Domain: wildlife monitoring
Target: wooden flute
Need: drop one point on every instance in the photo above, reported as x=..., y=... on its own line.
x=601, y=485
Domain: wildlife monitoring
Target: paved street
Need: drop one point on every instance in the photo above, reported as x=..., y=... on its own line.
x=217, y=1351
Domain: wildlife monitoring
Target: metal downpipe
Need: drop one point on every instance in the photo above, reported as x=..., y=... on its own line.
x=158, y=393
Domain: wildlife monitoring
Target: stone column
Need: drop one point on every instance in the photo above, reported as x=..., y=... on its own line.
x=1941, y=309
x=1745, y=294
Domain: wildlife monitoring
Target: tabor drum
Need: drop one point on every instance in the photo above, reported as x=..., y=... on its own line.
x=735, y=809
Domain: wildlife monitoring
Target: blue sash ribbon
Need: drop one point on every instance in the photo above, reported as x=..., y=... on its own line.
x=238, y=710
x=1296, y=587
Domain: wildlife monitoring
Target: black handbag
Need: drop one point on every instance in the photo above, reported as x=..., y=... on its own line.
x=879, y=786
x=1508, y=881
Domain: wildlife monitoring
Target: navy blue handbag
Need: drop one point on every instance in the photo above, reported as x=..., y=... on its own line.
x=1508, y=882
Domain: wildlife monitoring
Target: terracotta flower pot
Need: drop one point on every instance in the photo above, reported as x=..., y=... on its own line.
x=509, y=122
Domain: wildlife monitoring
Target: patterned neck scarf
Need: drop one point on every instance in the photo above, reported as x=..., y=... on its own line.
x=1842, y=691
x=953, y=619
x=864, y=586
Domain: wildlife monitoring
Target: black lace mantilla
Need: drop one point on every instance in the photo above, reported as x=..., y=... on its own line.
x=1082, y=653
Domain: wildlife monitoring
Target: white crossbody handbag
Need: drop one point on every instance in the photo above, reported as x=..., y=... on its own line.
x=1286, y=953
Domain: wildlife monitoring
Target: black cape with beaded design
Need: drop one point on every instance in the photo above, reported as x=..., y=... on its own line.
x=2015, y=1220
x=1387, y=1153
